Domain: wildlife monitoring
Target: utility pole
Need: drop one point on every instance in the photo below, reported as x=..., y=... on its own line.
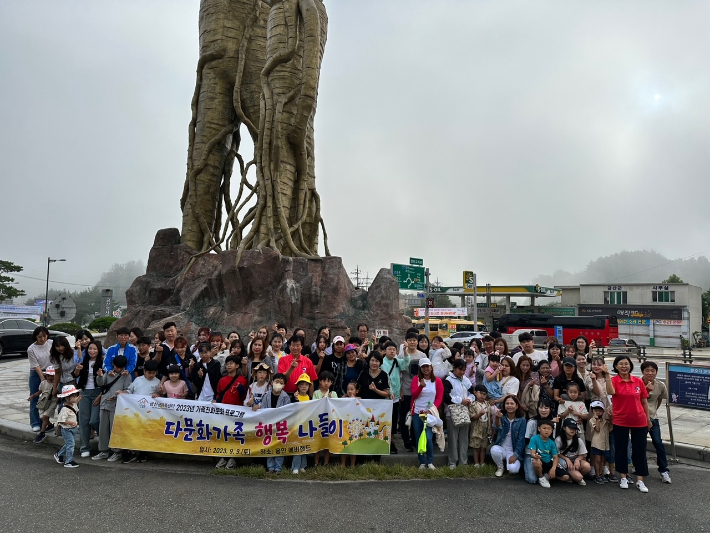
x=475, y=303
x=366, y=281
x=426, y=302
x=356, y=273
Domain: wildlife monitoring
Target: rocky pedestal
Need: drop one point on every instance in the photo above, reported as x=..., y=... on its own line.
x=262, y=290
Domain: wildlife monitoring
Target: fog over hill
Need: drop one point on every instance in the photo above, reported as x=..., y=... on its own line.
x=641, y=266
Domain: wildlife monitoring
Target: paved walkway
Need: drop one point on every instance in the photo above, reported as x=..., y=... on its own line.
x=690, y=426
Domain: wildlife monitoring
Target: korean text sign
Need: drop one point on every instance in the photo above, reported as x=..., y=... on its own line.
x=689, y=385
x=345, y=425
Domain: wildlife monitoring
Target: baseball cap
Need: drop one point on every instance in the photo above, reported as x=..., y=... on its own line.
x=424, y=361
x=569, y=361
x=351, y=348
x=570, y=423
x=338, y=339
x=598, y=404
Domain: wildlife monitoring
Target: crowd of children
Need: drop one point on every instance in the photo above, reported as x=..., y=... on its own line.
x=548, y=416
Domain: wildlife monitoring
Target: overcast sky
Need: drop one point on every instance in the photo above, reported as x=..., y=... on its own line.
x=509, y=138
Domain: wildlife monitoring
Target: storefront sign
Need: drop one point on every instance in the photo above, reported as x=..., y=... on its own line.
x=626, y=311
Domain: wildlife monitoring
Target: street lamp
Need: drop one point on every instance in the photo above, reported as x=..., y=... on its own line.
x=46, y=291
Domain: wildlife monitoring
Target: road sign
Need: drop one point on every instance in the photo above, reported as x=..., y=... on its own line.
x=469, y=281
x=416, y=262
x=444, y=290
x=409, y=277
x=430, y=303
x=421, y=295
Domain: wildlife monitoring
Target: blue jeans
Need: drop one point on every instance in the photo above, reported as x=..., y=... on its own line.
x=418, y=426
x=530, y=475
x=661, y=458
x=34, y=387
x=299, y=462
x=275, y=463
x=89, y=416
x=67, y=450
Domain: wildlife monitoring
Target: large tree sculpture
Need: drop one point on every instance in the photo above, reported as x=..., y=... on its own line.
x=259, y=66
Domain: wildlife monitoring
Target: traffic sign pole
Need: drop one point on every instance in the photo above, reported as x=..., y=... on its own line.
x=475, y=303
x=426, y=308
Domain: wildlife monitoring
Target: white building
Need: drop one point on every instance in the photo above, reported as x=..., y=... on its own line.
x=652, y=314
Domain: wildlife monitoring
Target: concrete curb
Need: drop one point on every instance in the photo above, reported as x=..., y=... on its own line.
x=24, y=432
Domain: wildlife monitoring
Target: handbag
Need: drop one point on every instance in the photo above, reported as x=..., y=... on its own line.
x=459, y=414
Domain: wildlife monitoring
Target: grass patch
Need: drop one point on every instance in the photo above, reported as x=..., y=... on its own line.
x=368, y=471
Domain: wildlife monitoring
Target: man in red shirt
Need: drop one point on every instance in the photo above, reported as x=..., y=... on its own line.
x=294, y=364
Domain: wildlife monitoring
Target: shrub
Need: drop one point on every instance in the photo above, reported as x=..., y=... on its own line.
x=66, y=327
x=102, y=324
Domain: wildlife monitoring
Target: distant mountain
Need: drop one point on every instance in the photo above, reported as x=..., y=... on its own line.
x=642, y=266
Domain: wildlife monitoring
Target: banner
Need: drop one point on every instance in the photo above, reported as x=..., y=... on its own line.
x=345, y=425
x=441, y=311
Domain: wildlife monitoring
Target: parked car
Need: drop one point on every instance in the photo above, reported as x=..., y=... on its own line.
x=464, y=337
x=539, y=337
x=16, y=335
x=624, y=346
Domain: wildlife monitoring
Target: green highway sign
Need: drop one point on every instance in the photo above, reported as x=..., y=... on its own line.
x=416, y=262
x=443, y=290
x=409, y=277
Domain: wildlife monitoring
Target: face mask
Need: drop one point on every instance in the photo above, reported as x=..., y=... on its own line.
x=277, y=387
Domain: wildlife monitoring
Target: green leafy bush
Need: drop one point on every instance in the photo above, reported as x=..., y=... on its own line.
x=66, y=327
x=102, y=324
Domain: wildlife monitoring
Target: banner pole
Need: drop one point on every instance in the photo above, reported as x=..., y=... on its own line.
x=668, y=414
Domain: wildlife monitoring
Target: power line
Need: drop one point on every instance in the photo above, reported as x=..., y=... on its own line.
x=88, y=285
x=659, y=266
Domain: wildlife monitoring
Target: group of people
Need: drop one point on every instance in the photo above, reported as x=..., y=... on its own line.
x=554, y=415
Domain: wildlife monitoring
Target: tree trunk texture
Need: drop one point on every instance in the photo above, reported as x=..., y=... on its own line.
x=259, y=66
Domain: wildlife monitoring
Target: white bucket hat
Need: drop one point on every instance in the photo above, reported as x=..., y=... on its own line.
x=67, y=390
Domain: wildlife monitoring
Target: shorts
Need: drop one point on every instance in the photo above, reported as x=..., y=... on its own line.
x=604, y=453
x=479, y=442
x=561, y=469
x=546, y=467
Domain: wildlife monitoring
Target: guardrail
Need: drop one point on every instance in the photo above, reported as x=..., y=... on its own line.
x=642, y=355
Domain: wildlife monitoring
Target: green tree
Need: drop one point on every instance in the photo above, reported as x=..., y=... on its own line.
x=706, y=307
x=672, y=279
x=7, y=291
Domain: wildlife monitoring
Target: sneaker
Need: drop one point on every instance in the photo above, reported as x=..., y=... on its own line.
x=294, y=471
x=499, y=472
x=36, y=429
x=115, y=457
x=100, y=455
x=613, y=478
x=623, y=483
x=303, y=469
x=452, y=467
x=86, y=454
x=666, y=477
x=544, y=482
x=40, y=437
x=59, y=458
x=422, y=467
x=50, y=427
x=593, y=473
x=606, y=471
x=582, y=483
x=432, y=467
x=408, y=448
x=605, y=479
x=642, y=486
x=393, y=449
x=221, y=463
x=142, y=458
x=232, y=464
x=130, y=459
x=477, y=465
x=599, y=480
x=71, y=464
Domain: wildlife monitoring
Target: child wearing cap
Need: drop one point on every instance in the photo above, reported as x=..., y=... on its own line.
x=600, y=426
x=302, y=394
x=47, y=403
x=573, y=453
x=111, y=383
x=67, y=420
x=259, y=386
x=175, y=387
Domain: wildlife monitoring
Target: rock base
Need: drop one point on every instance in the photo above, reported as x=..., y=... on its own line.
x=263, y=289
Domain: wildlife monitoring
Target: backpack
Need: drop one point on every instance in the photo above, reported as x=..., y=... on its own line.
x=44, y=401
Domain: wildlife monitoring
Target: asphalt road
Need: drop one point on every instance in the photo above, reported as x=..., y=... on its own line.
x=151, y=497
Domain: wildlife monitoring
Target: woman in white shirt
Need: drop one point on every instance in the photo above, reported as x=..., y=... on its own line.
x=508, y=382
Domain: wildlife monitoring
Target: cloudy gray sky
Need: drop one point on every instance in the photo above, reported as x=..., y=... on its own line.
x=467, y=133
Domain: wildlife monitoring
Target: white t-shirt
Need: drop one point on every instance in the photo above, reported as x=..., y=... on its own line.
x=427, y=396
x=536, y=356
x=581, y=448
x=256, y=392
x=206, y=394
x=143, y=386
